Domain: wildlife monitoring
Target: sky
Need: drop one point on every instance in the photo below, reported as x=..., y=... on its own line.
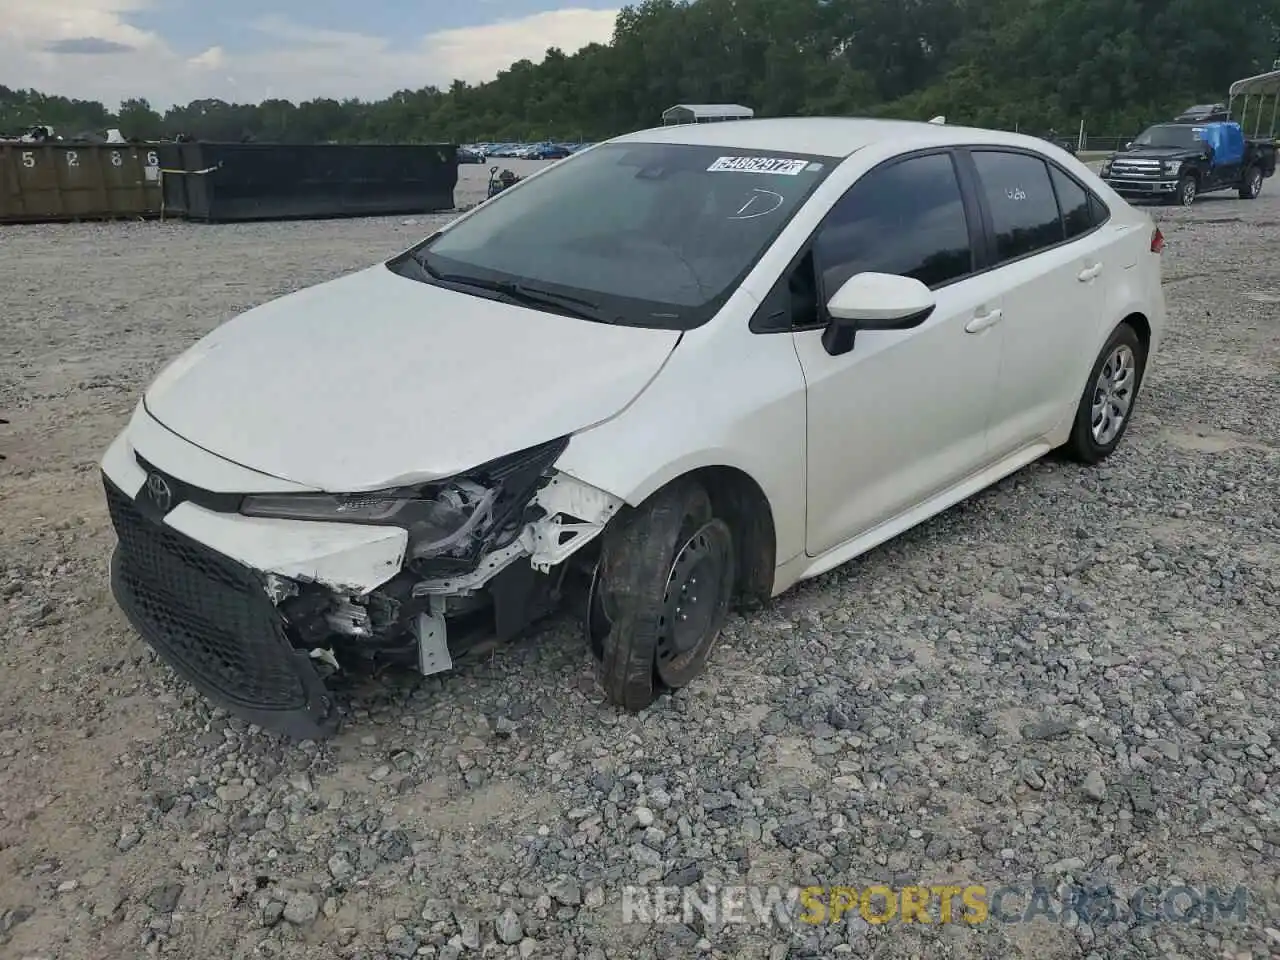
x=175, y=51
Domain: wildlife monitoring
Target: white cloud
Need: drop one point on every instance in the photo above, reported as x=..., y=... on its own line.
x=215, y=58
x=300, y=64
x=478, y=53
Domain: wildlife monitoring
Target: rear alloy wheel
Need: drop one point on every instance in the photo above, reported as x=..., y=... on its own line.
x=660, y=595
x=1187, y=190
x=1252, y=184
x=1107, y=403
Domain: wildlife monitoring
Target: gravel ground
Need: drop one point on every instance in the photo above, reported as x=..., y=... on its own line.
x=1073, y=676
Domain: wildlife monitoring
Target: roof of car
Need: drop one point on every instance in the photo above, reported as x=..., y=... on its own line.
x=824, y=136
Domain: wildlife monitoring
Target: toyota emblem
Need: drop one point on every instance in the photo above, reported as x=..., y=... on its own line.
x=159, y=492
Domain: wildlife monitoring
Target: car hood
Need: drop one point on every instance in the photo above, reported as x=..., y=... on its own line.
x=375, y=380
x=1157, y=153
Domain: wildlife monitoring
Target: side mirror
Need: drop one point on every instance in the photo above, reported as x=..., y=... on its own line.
x=875, y=301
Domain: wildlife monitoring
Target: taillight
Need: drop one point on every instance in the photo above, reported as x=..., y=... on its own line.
x=1157, y=241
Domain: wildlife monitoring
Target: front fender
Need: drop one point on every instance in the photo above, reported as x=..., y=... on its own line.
x=641, y=487
x=786, y=505
x=726, y=398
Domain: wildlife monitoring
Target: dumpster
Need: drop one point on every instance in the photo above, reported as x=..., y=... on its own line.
x=47, y=181
x=226, y=182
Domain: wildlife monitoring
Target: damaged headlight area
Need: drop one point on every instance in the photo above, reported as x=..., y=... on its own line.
x=443, y=521
x=450, y=522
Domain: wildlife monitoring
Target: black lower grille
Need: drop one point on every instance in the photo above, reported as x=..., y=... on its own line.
x=211, y=619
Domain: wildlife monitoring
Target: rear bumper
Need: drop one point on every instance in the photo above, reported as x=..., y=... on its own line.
x=213, y=622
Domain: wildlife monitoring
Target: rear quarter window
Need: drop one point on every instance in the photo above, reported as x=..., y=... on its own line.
x=1099, y=210
x=1074, y=202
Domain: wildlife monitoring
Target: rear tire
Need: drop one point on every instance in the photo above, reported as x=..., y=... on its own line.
x=660, y=595
x=1106, y=405
x=1251, y=184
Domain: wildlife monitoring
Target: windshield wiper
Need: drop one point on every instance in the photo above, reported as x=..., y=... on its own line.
x=518, y=292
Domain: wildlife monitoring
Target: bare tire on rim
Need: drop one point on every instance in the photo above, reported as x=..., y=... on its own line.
x=660, y=594
x=1106, y=405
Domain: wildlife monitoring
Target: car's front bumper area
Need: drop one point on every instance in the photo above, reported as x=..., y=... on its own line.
x=258, y=613
x=212, y=620
x=1136, y=187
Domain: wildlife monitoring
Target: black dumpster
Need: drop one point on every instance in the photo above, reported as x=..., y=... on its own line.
x=173, y=181
x=222, y=182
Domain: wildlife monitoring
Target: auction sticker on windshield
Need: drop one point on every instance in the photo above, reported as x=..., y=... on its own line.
x=777, y=165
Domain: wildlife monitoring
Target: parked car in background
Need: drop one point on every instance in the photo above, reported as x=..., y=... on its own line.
x=873, y=321
x=1177, y=162
x=1204, y=113
x=471, y=154
x=552, y=151
x=542, y=151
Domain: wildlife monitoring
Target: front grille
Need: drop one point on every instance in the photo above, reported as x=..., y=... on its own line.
x=206, y=615
x=1137, y=169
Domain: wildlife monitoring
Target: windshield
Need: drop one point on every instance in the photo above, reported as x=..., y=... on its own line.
x=646, y=234
x=1168, y=135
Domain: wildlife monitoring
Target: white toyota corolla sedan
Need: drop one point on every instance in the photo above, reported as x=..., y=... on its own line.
x=686, y=365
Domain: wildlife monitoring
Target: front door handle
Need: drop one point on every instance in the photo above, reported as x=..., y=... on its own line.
x=978, y=324
x=1089, y=273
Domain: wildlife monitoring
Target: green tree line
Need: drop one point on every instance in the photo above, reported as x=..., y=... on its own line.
x=1033, y=64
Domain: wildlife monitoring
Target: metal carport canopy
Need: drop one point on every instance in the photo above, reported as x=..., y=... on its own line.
x=735, y=110
x=1264, y=84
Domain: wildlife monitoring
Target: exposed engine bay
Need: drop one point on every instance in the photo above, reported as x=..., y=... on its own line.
x=488, y=554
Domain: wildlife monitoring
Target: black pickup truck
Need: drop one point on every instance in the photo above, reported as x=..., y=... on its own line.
x=1178, y=161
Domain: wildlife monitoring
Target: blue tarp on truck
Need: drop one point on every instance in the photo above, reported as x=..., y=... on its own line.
x=1227, y=140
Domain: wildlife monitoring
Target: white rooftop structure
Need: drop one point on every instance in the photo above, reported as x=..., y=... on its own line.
x=705, y=113
x=1263, y=85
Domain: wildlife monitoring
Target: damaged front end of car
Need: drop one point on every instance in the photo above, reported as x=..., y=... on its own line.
x=485, y=558
x=480, y=556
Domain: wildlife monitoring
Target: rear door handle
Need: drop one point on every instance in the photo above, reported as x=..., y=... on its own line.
x=1089, y=273
x=978, y=324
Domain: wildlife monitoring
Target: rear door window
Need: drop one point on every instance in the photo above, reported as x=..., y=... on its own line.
x=1024, y=208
